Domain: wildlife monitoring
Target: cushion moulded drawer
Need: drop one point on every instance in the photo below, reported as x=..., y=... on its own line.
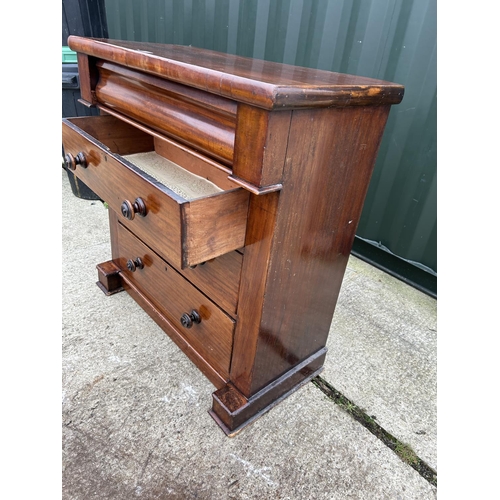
x=188, y=230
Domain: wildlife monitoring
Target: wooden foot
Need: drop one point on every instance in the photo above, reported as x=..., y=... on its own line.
x=233, y=411
x=110, y=281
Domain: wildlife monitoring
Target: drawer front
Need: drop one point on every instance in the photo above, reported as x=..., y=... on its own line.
x=188, y=232
x=219, y=279
x=202, y=120
x=178, y=300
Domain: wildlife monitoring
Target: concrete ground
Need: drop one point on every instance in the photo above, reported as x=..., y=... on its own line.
x=135, y=421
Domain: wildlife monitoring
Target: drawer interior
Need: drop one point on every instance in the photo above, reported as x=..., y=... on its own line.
x=183, y=182
x=120, y=137
x=159, y=158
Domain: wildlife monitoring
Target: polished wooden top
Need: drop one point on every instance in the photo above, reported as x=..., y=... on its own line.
x=260, y=83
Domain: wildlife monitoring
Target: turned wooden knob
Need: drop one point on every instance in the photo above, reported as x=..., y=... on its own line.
x=132, y=265
x=187, y=320
x=130, y=209
x=72, y=161
x=196, y=265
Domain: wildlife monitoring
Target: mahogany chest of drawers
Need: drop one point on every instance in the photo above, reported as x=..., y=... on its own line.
x=234, y=189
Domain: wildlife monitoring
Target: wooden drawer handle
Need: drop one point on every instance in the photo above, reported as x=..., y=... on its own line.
x=130, y=209
x=132, y=265
x=187, y=320
x=72, y=161
x=196, y=265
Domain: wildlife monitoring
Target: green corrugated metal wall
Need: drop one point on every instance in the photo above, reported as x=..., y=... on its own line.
x=392, y=40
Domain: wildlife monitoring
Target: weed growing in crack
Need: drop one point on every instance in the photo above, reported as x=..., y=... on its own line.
x=406, y=454
x=402, y=450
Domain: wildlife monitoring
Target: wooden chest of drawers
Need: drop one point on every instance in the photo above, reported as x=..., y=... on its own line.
x=235, y=187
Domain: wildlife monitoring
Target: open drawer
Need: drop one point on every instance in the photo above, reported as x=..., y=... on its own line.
x=165, y=192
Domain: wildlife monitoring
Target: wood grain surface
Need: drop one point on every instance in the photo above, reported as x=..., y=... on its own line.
x=262, y=261
x=260, y=83
x=173, y=295
x=189, y=232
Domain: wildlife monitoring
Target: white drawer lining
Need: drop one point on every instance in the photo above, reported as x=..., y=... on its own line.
x=186, y=184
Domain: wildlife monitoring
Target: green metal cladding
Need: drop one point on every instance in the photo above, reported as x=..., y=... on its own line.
x=392, y=40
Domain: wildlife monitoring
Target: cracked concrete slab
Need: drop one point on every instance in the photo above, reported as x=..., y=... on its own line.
x=135, y=421
x=383, y=355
